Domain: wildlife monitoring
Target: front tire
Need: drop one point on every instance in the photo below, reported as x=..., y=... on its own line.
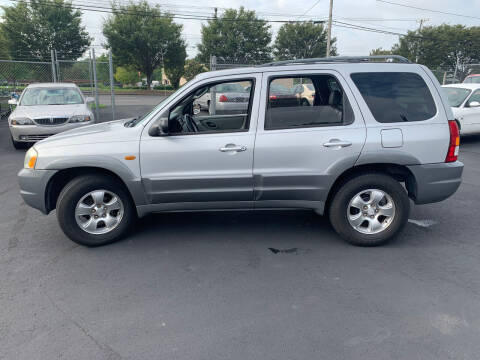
x=95, y=210
x=369, y=210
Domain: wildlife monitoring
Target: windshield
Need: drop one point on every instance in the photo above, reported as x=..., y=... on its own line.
x=279, y=89
x=456, y=96
x=51, y=96
x=230, y=88
x=472, y=80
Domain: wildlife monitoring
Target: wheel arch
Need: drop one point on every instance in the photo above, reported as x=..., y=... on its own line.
x=64, y=176
x=399, y=172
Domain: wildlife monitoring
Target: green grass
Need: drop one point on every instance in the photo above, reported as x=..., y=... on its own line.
x=100, y=106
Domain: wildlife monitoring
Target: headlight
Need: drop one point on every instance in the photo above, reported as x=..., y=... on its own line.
x=80, y=118
x=30, y=159
x=21, y=121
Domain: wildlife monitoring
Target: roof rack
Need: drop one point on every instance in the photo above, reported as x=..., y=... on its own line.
x=344, y=59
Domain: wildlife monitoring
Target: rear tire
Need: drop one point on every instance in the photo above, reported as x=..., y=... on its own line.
x=104, y=218
x=369, y=210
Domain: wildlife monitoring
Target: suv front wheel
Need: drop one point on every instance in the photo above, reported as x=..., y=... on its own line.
x=370, y=209
x=95, y=210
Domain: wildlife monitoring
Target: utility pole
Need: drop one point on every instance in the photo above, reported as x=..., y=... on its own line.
x=329, y=30
x=421, y=21
x=215, y=14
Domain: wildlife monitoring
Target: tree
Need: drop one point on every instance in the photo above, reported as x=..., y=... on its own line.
x=380, y=51
x=4, y=54
x=448, y=47
x=32, y=29
x=301, y=41
x=193, y=68
x=237, y=36
x=142, y=36
x=126, y=75
x=175, y=63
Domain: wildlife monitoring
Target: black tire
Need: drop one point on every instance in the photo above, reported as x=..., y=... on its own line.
x=339, y=208
x=305, y=102
x=17, y=144
x=71, y=195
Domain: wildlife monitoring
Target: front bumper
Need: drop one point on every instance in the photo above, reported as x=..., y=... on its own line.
x=32, y=133
x=435, y=182
x=33, y=184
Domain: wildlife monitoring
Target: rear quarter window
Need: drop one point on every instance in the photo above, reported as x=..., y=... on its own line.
x=395, y=96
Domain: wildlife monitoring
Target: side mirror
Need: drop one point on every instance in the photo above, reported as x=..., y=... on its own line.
x=89, y=100
x=12, y=101
x=472, y=104
x=160, y=128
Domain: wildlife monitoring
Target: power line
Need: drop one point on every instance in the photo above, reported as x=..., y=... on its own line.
x=311, y=7
x=200, y=18
x=102, y=9
x=431, y=10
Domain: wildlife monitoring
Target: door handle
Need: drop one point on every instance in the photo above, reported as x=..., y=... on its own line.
x=233, y=148
x=336, y=143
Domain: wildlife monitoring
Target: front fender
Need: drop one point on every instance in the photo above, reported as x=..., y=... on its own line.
x=105, y=156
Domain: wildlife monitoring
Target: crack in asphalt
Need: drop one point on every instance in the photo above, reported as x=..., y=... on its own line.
x=112, y=354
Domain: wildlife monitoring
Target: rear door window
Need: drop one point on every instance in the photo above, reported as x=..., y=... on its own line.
x=395, y=96
x=306, y=101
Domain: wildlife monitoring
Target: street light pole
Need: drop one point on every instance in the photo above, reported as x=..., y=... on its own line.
x=329, y=30
x=421, y=21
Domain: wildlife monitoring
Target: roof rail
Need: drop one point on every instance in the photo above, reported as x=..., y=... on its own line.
x=344, y=59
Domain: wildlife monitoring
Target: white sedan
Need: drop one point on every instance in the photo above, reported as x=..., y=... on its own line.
x=47, y=109
x=465, y=102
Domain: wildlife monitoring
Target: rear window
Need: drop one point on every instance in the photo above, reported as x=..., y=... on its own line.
x=395, y=97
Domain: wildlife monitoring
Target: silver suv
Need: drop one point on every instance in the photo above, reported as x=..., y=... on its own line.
x=374, y=135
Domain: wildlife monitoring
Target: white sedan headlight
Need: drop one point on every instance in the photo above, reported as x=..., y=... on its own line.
x=80, y=118
x=30, y=159
x=21, y=121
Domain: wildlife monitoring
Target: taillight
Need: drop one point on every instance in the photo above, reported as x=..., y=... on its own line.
x=273, y=97
x=453, y=147
x=223, y=98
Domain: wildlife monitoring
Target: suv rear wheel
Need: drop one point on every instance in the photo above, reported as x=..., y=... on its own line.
x=370, y=209
x=95, y=210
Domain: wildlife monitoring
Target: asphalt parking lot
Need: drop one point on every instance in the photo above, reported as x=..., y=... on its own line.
x=207, y=286
x=127, y=106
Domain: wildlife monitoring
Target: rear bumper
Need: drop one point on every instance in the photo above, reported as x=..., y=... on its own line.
x=33, y=184
x=436, y=182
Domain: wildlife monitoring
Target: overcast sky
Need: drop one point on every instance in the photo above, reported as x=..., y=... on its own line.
x=369, y=13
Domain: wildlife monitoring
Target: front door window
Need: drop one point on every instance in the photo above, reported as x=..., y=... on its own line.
x=218, y=107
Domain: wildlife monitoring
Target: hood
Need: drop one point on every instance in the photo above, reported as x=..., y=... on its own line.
x=107, y=132
x=38, y=111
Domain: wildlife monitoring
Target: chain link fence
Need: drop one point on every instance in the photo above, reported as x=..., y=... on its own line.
x=221, y=64
x=15, y=75
x=95, y=79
